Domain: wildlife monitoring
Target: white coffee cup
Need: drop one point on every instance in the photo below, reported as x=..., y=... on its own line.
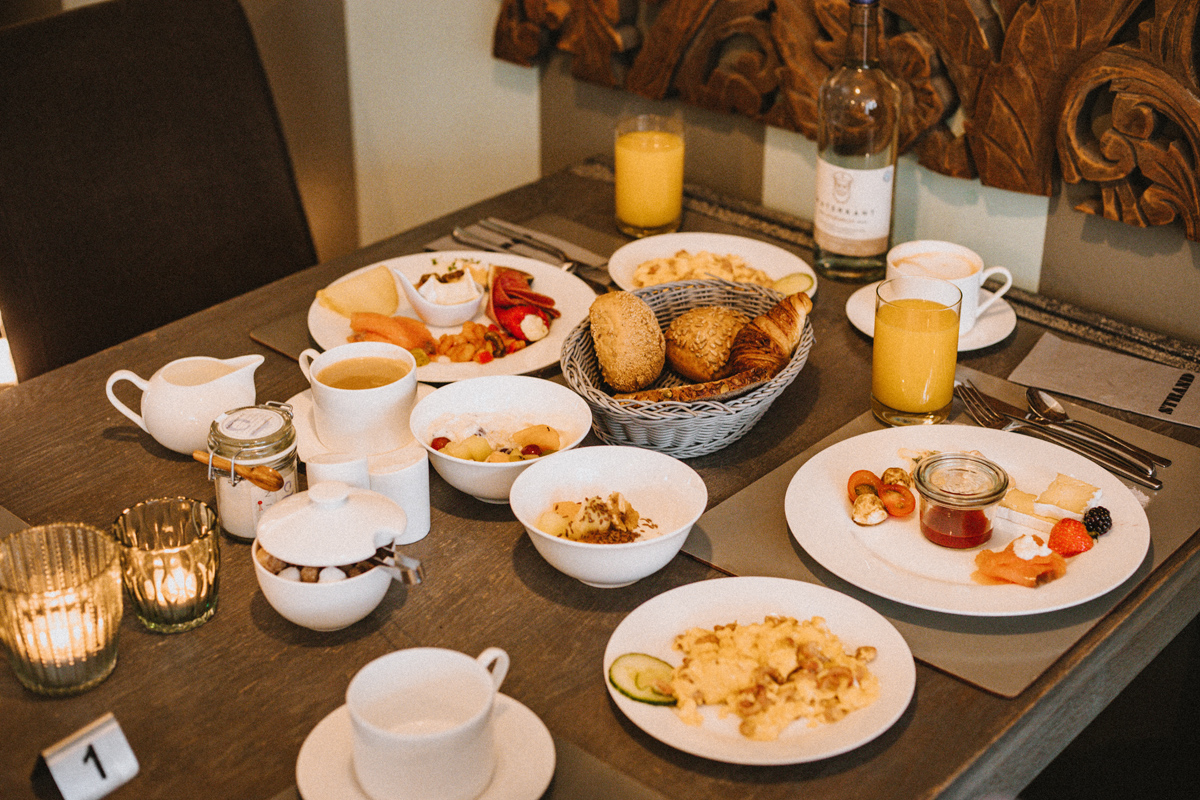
x=422, y=723
x=361, y=422
x=951, y=262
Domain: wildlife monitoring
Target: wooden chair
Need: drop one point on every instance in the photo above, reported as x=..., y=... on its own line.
x=143, y=174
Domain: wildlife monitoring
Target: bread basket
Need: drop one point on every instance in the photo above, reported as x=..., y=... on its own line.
x=683, y=430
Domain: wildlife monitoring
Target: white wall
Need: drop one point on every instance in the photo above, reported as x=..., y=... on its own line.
x=438, y=123
x=1006, y=228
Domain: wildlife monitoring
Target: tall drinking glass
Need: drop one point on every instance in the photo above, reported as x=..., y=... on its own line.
x=60, y=606
x=649, y=174
x=916, y=349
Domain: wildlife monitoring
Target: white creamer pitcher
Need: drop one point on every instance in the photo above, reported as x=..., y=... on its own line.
x=181, y=400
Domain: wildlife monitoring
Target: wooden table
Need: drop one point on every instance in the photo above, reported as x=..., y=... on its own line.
x=222, y=711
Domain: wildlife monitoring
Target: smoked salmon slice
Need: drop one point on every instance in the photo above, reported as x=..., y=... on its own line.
x=409, y=333
x=1004, y=566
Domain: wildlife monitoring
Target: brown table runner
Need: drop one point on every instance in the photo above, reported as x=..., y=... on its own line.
x=748, y=534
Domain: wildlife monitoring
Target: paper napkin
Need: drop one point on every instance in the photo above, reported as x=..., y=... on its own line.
x=1112, y=379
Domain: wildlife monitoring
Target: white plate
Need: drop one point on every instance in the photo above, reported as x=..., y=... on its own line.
x=991, y=326
x=524, y=757
x=775, y=261
x=895, y=561
x=572, y=297
x=652, y=627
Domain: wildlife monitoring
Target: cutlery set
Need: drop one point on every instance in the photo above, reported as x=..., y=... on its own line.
x=503, y=237
x=1112, y=453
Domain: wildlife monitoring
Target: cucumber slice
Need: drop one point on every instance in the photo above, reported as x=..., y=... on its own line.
x=643, y=678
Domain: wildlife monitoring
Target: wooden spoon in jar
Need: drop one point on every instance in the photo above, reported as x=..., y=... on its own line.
x=262, y=476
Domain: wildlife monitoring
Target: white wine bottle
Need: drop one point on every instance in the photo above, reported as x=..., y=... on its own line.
x=857, y=130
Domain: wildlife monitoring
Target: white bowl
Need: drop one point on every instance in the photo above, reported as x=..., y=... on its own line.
x=531, y=400
x=441, y=315
x=322, y=606
x=658, y=486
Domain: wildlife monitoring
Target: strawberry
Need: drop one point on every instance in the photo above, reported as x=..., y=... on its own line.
x=1069, y=537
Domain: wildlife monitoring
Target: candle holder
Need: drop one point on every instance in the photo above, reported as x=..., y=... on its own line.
x=170, y=554
x=60, y=606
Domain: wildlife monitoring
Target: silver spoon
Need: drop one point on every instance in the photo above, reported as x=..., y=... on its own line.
x=1047, y=407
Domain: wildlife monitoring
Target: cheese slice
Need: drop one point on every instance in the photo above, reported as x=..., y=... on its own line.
x=1018, y=507
x=373, y=290
x=1066, y=496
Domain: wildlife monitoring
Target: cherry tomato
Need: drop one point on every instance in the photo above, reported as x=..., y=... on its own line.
x=897, y=499
x=439, y=442
x=861, y=481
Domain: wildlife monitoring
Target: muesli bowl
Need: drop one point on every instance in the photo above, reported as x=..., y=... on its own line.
x=503, y=401
x=658, y=486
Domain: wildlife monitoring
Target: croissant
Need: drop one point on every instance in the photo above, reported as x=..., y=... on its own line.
x=770, y=339
x=760, y=350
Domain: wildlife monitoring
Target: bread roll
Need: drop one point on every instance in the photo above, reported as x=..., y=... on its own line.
x=760, y=350
x=629, y=343
x=699, y=341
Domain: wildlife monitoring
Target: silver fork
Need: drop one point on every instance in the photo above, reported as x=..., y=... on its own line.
x=987, y=417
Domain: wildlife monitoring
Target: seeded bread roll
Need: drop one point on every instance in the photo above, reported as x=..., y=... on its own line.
x=629, y=343
x=699, y=340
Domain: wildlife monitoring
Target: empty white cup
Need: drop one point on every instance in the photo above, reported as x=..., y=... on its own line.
x=930, y=258
x=422, y=723
x=361, y=422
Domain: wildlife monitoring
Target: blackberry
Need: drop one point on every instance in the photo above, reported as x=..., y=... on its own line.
x=1097, y=521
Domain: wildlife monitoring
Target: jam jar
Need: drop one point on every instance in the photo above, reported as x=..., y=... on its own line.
x=958, y=494
x=250, y=436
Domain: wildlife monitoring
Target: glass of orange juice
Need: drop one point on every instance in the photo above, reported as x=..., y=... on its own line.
x=649, y=174
x=916, y=348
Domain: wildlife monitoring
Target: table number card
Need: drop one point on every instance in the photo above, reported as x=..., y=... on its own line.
x=91, y=762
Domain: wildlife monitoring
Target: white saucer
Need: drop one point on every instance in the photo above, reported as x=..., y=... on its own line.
x=524, y=757
x=307, y=443
x=991, y=326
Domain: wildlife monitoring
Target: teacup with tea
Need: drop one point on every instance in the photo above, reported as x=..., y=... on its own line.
x=930, y=258
x=363, y=393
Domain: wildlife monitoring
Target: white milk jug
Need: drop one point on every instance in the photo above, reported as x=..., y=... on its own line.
x=181, y=400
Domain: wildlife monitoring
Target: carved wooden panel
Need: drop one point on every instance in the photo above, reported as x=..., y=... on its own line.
x=1019, y=93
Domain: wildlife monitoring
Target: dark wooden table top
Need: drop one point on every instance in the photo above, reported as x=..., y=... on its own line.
x=223, y=710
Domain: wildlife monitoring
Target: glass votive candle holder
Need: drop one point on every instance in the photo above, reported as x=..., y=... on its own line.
x=60, y=606
x=170, y=555
x=957, y=497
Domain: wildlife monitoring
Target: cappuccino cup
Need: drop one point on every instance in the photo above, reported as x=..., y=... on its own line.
x=929, y=258
x=422, y=723
x=363, y=393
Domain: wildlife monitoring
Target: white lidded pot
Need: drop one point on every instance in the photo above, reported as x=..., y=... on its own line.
x=333, y=524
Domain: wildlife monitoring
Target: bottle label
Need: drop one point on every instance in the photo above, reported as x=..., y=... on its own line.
x=853, y=215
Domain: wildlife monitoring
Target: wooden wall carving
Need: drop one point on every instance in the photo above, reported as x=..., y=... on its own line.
x=1018, y=93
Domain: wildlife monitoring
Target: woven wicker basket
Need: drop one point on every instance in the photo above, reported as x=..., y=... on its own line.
x=683, y=430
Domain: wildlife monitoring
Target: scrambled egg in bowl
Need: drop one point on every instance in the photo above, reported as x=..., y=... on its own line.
x=771, y=674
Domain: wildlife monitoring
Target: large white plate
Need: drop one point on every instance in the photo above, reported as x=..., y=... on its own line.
x=652, y=627
x=775, y=261
x=895, y=561
x=572, y=297
x=992, y=326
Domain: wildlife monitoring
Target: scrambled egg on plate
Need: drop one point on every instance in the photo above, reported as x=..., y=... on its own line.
x=770, y=674
x=686, y=266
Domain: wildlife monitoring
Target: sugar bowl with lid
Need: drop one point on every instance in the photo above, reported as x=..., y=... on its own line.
x=325, y=557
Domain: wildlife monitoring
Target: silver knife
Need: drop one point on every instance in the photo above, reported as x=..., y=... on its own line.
x=1142, y=465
